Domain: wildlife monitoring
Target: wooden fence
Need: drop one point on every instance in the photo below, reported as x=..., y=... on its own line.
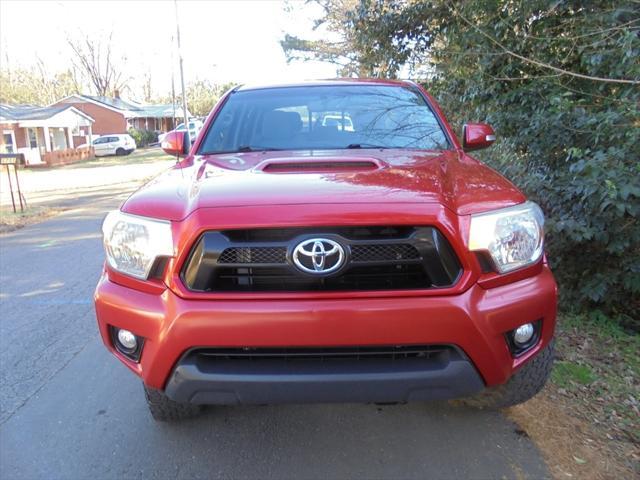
x=65, y=157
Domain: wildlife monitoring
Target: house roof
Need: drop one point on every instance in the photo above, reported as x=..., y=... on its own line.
x=116, y=103
x=15, y=113
x=163, y=110
x=131, y=109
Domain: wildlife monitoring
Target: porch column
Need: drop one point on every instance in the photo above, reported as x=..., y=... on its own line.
x=47, y=139
x=69, y=138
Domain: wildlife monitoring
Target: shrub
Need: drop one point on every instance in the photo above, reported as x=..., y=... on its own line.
x=572, y=144
x=142, y=137
x=560, y=82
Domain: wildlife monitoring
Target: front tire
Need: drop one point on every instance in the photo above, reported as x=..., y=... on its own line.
x=522, y=386
x=163, y=409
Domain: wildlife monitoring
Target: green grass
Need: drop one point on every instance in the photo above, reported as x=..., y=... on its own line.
x=607, y=334
x=564, y=373
x=599, y=366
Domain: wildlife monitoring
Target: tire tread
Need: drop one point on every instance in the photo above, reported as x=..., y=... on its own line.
x=522, y=386
x=164, y=409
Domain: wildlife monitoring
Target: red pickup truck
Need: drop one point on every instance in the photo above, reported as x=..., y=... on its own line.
x=329, y=241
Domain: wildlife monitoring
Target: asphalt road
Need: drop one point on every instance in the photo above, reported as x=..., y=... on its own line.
x=69, y=410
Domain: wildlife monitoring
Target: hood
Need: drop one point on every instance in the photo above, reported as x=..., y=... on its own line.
x=454, y=180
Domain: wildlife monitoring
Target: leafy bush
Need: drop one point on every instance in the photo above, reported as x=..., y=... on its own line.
x=143, y=138
x=571, y=143
x=560, y=82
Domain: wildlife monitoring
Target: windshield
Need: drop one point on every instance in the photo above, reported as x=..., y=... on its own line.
x=324, y=117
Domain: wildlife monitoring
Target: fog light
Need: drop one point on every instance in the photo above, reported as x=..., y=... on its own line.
x=523, y=334
x=127, y=340
x=127, y=343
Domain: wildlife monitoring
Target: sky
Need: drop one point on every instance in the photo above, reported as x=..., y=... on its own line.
x=222, y=41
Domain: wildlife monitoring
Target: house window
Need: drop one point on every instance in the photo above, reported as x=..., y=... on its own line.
x=8, y=142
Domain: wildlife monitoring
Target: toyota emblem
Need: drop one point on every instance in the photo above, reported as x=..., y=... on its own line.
x=318, y=256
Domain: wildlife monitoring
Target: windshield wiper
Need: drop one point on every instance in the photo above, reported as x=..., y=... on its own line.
x=249, y=148
x=364, y=145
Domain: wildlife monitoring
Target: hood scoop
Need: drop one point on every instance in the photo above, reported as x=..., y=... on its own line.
x=319, y=165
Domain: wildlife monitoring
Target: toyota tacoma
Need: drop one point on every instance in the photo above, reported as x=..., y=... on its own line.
x=328, y=241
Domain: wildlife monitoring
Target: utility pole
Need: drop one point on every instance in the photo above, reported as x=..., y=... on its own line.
x=184, y=93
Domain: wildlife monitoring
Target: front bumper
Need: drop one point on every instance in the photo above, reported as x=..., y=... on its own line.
x=475, y=322
x=449, y=374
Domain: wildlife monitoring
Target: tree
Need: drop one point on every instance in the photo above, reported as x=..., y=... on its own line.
x=202, y=95
x=147, y=93
x=94, y=57
x=344, y=50
x=560, y=81
x=36, y=86
x=363, y=47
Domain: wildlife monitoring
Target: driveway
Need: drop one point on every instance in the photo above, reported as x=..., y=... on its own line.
x=69, y=410
x=86, y=181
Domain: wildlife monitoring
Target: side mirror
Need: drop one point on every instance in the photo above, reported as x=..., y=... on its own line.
x=174, y=143
x=477, y=135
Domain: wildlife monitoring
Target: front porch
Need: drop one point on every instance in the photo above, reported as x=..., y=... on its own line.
x=48, y=136
x=155, y=124
x=54, y=145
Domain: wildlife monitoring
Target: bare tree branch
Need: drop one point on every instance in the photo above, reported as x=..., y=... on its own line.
x=94, y=58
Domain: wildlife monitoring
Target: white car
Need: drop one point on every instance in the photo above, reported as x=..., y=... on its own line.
x=113, y=144
x=194, y=128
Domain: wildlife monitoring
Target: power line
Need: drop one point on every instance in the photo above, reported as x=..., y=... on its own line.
x=184, y=93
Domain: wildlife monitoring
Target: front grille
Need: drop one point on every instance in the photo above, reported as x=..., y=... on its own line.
x=254, y=255
x=376, y=258
x=273, y=279
x=359, y=253
x=376, y=253
x=357, y=354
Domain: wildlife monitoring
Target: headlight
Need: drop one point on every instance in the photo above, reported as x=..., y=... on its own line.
x=513, y=236
x=133, y=243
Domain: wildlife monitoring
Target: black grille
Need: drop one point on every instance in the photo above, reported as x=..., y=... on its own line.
x=377, y=258
x=389, y=277
x=360, y=354
x=254, y=255
x=376, y=253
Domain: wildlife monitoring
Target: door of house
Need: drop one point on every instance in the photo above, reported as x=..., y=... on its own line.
x=32, y=151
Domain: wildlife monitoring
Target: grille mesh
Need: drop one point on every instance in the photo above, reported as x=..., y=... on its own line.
x=377, y=253
x=359, y=253
x=253, y=255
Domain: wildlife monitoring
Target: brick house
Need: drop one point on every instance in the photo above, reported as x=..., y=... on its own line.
x=114, y=115
x=45, y=135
